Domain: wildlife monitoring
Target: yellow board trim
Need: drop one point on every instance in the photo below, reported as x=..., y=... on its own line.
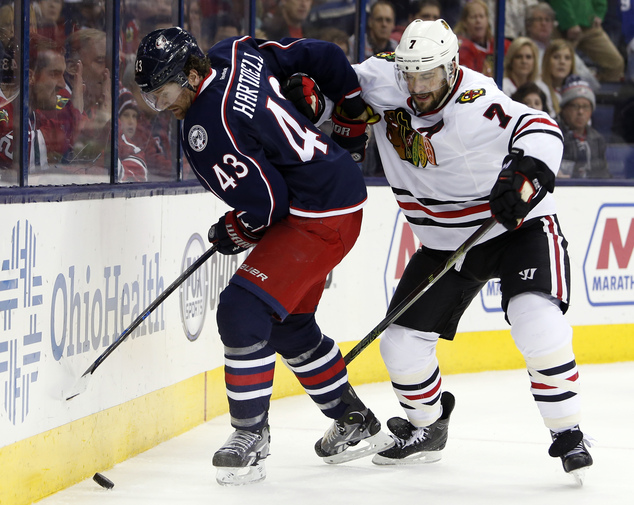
x=41, y=465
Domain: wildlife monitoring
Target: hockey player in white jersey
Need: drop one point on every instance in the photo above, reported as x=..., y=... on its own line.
x=456, y=150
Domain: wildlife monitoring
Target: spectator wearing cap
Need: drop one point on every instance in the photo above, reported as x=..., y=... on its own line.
x=584, y=147
x=132, y=166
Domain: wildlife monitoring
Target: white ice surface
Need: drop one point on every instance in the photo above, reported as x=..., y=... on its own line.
x=496, y=454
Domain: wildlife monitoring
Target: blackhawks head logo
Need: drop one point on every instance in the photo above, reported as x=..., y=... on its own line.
x=470, y=95
x=389, y=56
x=409, y=144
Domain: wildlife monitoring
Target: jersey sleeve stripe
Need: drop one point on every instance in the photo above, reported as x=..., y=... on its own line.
x=529, y=132
x=535, y=124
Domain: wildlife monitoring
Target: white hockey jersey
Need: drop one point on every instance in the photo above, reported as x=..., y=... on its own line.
x=442, y=165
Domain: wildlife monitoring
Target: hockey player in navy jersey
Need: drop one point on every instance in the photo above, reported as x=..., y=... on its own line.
x=297, y=199
x=456, y=150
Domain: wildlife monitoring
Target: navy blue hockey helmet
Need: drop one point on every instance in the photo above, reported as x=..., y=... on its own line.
x=161, y=57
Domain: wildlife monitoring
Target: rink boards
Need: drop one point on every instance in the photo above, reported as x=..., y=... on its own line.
x=75, y=274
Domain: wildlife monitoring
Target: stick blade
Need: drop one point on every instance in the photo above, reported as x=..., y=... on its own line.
x=78, y=388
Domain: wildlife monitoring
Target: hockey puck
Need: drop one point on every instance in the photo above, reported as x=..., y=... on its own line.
x=104, y=482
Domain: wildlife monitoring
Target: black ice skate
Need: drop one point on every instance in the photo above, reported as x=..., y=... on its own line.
x=241, y=460
x=357, y=428
x=417, y=445
x=570, y=447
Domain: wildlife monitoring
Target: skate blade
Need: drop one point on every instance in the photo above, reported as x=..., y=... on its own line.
x=579, y=475
x=419, y=458
x=366, y=447
x=240, y=476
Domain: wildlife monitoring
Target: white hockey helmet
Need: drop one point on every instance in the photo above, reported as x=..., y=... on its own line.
x=426, y=45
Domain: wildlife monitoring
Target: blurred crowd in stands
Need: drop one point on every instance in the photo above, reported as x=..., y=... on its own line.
x=571, y=58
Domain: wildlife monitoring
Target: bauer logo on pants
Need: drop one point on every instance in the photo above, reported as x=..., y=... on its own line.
x=608, y=269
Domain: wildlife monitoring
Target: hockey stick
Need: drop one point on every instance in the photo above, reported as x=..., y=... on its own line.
x=409, y=300
x=82, y=383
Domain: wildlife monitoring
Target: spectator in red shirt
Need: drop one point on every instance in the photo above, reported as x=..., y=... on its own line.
x=54, y=119
x=477, y=47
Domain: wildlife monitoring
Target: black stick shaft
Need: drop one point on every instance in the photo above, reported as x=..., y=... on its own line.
x=408, y=301
x=159, y=299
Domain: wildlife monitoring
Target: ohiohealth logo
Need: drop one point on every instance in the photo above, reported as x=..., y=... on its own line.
x=608, y=269
x=20, y=298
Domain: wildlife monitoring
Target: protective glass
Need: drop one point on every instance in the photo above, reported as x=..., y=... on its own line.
x=165, y=96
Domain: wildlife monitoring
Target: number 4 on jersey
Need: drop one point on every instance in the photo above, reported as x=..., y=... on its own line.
x=287, y=122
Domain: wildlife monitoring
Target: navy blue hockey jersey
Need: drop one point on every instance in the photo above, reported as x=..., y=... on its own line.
x=254, y=150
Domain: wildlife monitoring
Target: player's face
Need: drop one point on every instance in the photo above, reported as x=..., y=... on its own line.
x=163, y=97
x=182, y=104
x=428, y=88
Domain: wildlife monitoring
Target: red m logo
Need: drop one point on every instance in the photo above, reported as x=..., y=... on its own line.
x=612, y=239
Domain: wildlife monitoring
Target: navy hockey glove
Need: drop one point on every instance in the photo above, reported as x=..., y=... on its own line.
x=350, y=133
x=521, y=185
x=231, y=235
x=305, y=95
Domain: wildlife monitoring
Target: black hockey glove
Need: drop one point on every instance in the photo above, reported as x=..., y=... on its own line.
x=349, y=122
x=305, y=95
x=521, y=185
x=231, y=235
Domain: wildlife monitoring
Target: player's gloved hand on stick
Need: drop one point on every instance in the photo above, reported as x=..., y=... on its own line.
x=349, y=121
x=231, y=236
x=305, y=95
x=522, y=183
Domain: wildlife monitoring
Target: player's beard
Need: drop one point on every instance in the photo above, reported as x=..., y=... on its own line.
x=427, y=102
